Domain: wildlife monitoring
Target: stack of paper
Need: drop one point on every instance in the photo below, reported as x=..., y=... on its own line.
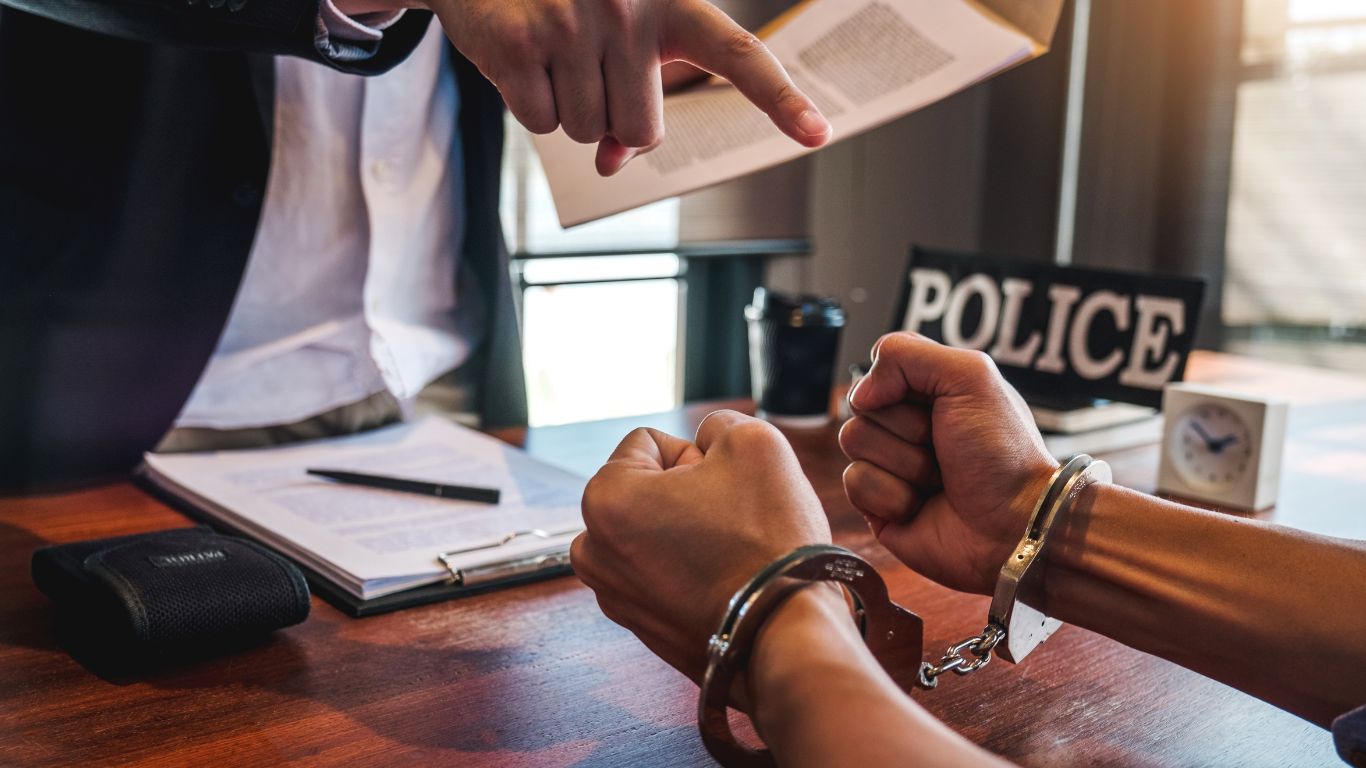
x=864, y=63
x=374, y=542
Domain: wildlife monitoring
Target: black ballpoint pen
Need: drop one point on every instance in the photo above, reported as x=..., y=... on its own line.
x=423, y=487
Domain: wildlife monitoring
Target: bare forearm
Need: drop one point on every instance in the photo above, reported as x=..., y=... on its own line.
x=1274, y=612
x=821, y=699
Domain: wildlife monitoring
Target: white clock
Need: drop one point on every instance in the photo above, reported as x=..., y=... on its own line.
x=1221, y=447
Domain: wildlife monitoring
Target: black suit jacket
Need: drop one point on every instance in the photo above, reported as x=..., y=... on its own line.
x=135, y=140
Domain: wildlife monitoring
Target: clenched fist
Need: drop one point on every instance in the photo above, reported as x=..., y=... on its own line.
x=946, y=461
x=675, y=527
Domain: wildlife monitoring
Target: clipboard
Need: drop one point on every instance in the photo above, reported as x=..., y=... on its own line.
x=462, y=583
x=369, y=550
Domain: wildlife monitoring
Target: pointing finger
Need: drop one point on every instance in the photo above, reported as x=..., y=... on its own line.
x=701, y=34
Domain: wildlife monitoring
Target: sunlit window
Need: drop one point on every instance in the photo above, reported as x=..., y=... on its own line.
x=1296, y=285
x=601, y=334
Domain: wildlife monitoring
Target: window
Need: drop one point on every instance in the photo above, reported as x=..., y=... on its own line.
x=1296, y=265
x=602, y=335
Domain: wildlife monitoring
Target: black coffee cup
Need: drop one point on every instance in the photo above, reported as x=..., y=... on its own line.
x=793, y=344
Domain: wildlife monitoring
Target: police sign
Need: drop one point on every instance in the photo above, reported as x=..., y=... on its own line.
x=1058, y=333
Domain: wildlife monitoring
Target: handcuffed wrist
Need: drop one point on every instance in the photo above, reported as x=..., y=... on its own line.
x=1018, y=603
x=1070, y=532
x=1023, y=508
x=812, y=630
x=893, y=634
x=1016, y=621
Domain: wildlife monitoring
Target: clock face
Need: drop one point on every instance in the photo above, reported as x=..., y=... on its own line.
x=1211, y=447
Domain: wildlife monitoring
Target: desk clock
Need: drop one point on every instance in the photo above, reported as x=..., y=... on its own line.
x=1220, y=446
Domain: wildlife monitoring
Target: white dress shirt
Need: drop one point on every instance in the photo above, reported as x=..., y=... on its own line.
x=350, y=288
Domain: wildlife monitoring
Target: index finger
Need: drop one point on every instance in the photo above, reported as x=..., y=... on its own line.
x=701, y=34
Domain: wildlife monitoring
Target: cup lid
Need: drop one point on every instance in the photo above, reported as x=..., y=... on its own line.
x=795, y=309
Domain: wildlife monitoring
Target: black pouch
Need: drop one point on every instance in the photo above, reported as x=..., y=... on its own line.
x=169, y=593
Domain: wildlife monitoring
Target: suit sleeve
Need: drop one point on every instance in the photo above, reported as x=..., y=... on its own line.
x=279, y=27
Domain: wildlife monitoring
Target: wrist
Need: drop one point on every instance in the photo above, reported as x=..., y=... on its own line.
x=809, y=639
x=1065, y=561
x=1021, y=510
x=821, y=698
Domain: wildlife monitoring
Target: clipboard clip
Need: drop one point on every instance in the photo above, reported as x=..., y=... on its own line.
x=505, y=569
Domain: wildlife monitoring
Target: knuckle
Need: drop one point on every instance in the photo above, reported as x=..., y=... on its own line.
x=752, y=432
x=849, y=436
x=788, y=94
x=639, y=137
x=897, y=339
x=641, y=434
x=609, y=609
x=744, y=44
x=980, y=362
x=598, y=500
x=517, y=41
x=854, y=485
x=584, y=131
x=615, y=12
x=656, y=139
x=588, y=119
x=578, y=555
x=890, y=344
x=562, y=18
x=538, y=123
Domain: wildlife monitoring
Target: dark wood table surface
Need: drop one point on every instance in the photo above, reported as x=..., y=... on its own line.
x=536, y=676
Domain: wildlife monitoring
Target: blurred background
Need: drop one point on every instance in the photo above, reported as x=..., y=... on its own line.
x=1219, y=138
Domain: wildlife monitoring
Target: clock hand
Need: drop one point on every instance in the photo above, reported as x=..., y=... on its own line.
x=1223, y=443
x=1210, y=442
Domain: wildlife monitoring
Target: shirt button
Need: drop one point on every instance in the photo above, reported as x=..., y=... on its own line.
x=382, y=170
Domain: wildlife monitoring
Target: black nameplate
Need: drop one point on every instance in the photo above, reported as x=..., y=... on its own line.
x=1061, y=335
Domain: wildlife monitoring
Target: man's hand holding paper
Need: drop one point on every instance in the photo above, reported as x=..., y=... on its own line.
x=860, y=63
x=593, y=66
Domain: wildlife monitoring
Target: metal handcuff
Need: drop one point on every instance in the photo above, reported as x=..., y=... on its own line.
x=895, y=636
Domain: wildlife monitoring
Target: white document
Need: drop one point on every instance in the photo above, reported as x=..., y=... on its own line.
x=864, y=63
x=376, y=542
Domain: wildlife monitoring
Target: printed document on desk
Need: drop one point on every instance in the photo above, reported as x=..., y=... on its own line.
x=864, y=63
x=374, y=542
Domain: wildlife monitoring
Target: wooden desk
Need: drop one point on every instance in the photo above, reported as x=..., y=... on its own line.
x=536, y=675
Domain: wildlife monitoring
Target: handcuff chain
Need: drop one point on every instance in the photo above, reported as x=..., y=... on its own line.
x=980, y=646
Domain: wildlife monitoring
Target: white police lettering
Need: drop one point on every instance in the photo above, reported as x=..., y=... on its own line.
x=1150, y=341
x=1005, y=352
x=1063, y=297
x=1078, y=344
x=1087, y=333
x=929, y=297
x=984, y=289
